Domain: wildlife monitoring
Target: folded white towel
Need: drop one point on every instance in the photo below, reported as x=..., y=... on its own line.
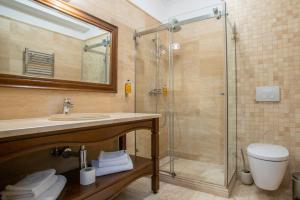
x=23, y=194
x=113, y=169
x=50, y=194
x=112, y=156
x=100, y=164
x=32, y=185
x=54, y=191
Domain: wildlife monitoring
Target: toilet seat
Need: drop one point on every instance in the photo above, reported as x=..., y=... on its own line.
x=268, y=152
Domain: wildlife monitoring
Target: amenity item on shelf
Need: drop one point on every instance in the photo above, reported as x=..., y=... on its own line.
x=115, y=162
x=87, y=176
x=37, y=186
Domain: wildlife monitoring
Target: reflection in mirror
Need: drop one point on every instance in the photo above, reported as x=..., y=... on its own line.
x=95, y=59
x=39, y=41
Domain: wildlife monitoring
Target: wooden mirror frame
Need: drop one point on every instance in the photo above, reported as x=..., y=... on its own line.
x=20, y=81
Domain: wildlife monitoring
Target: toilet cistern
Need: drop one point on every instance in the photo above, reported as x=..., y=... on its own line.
x=67, y=106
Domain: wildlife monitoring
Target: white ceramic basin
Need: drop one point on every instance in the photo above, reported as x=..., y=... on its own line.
x=78, y=117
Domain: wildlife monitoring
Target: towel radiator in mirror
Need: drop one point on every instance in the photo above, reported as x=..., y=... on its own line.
x=38, y=63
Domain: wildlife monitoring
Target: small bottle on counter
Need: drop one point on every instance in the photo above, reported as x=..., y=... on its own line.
x=82, y=158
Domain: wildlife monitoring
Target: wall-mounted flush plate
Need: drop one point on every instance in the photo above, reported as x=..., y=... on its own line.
x=271, y=93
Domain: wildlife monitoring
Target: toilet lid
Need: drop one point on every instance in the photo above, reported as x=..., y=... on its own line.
x=270, y=152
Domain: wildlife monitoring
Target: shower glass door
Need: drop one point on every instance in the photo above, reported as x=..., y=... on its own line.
x=152, y=89
x=199, y=99
x=231, y=100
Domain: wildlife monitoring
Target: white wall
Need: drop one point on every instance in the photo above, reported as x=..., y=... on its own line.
x=162, y=10
x=155, y=8
x=180, y=8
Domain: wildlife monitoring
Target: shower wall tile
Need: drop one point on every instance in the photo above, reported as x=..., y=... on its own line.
x=268, y=53
x=199, y=81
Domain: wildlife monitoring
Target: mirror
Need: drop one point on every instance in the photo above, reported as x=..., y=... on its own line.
x=51, y=41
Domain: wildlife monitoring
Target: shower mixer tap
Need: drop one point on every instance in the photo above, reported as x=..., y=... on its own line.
x=155, y=92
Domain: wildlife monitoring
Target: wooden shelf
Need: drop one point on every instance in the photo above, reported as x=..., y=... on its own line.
x=105, y=187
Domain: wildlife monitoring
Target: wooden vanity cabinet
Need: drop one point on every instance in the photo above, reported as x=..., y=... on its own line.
x=106, y=187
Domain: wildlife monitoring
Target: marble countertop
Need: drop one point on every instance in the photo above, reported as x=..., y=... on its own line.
x=20, y=127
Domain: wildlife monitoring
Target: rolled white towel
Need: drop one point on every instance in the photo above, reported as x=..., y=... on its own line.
x=112, y=156
x=32, y=185
x=51, y=193
x=113, y=169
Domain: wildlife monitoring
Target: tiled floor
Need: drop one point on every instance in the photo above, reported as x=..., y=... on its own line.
x=140, y=190
x=193, y=169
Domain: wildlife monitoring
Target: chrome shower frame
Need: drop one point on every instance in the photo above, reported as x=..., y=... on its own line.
x=174, y=22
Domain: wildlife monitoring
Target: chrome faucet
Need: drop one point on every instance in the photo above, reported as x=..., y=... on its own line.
x=67, y=106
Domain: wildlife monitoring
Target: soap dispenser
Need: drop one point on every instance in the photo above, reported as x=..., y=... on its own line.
x=128, y=87
x=165, y=90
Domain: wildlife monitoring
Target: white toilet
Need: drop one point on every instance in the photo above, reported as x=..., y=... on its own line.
x=268, y=163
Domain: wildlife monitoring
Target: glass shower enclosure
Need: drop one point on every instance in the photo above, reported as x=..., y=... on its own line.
x=185, y=71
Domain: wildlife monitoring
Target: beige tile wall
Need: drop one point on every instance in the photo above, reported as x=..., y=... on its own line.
x=268, y=53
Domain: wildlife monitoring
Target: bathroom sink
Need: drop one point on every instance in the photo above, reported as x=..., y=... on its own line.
x=78, y=117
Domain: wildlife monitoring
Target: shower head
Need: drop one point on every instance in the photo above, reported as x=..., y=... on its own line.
x=175, y=27
x=217, y=13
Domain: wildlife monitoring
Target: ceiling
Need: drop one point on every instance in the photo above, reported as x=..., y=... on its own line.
x=38, y=15
x=163, y=10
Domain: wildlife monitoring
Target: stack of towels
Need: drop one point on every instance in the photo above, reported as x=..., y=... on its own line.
x=42, y=185
x=112, y=162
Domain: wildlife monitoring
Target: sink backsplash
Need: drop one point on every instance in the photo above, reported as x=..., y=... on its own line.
x=27, y=103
